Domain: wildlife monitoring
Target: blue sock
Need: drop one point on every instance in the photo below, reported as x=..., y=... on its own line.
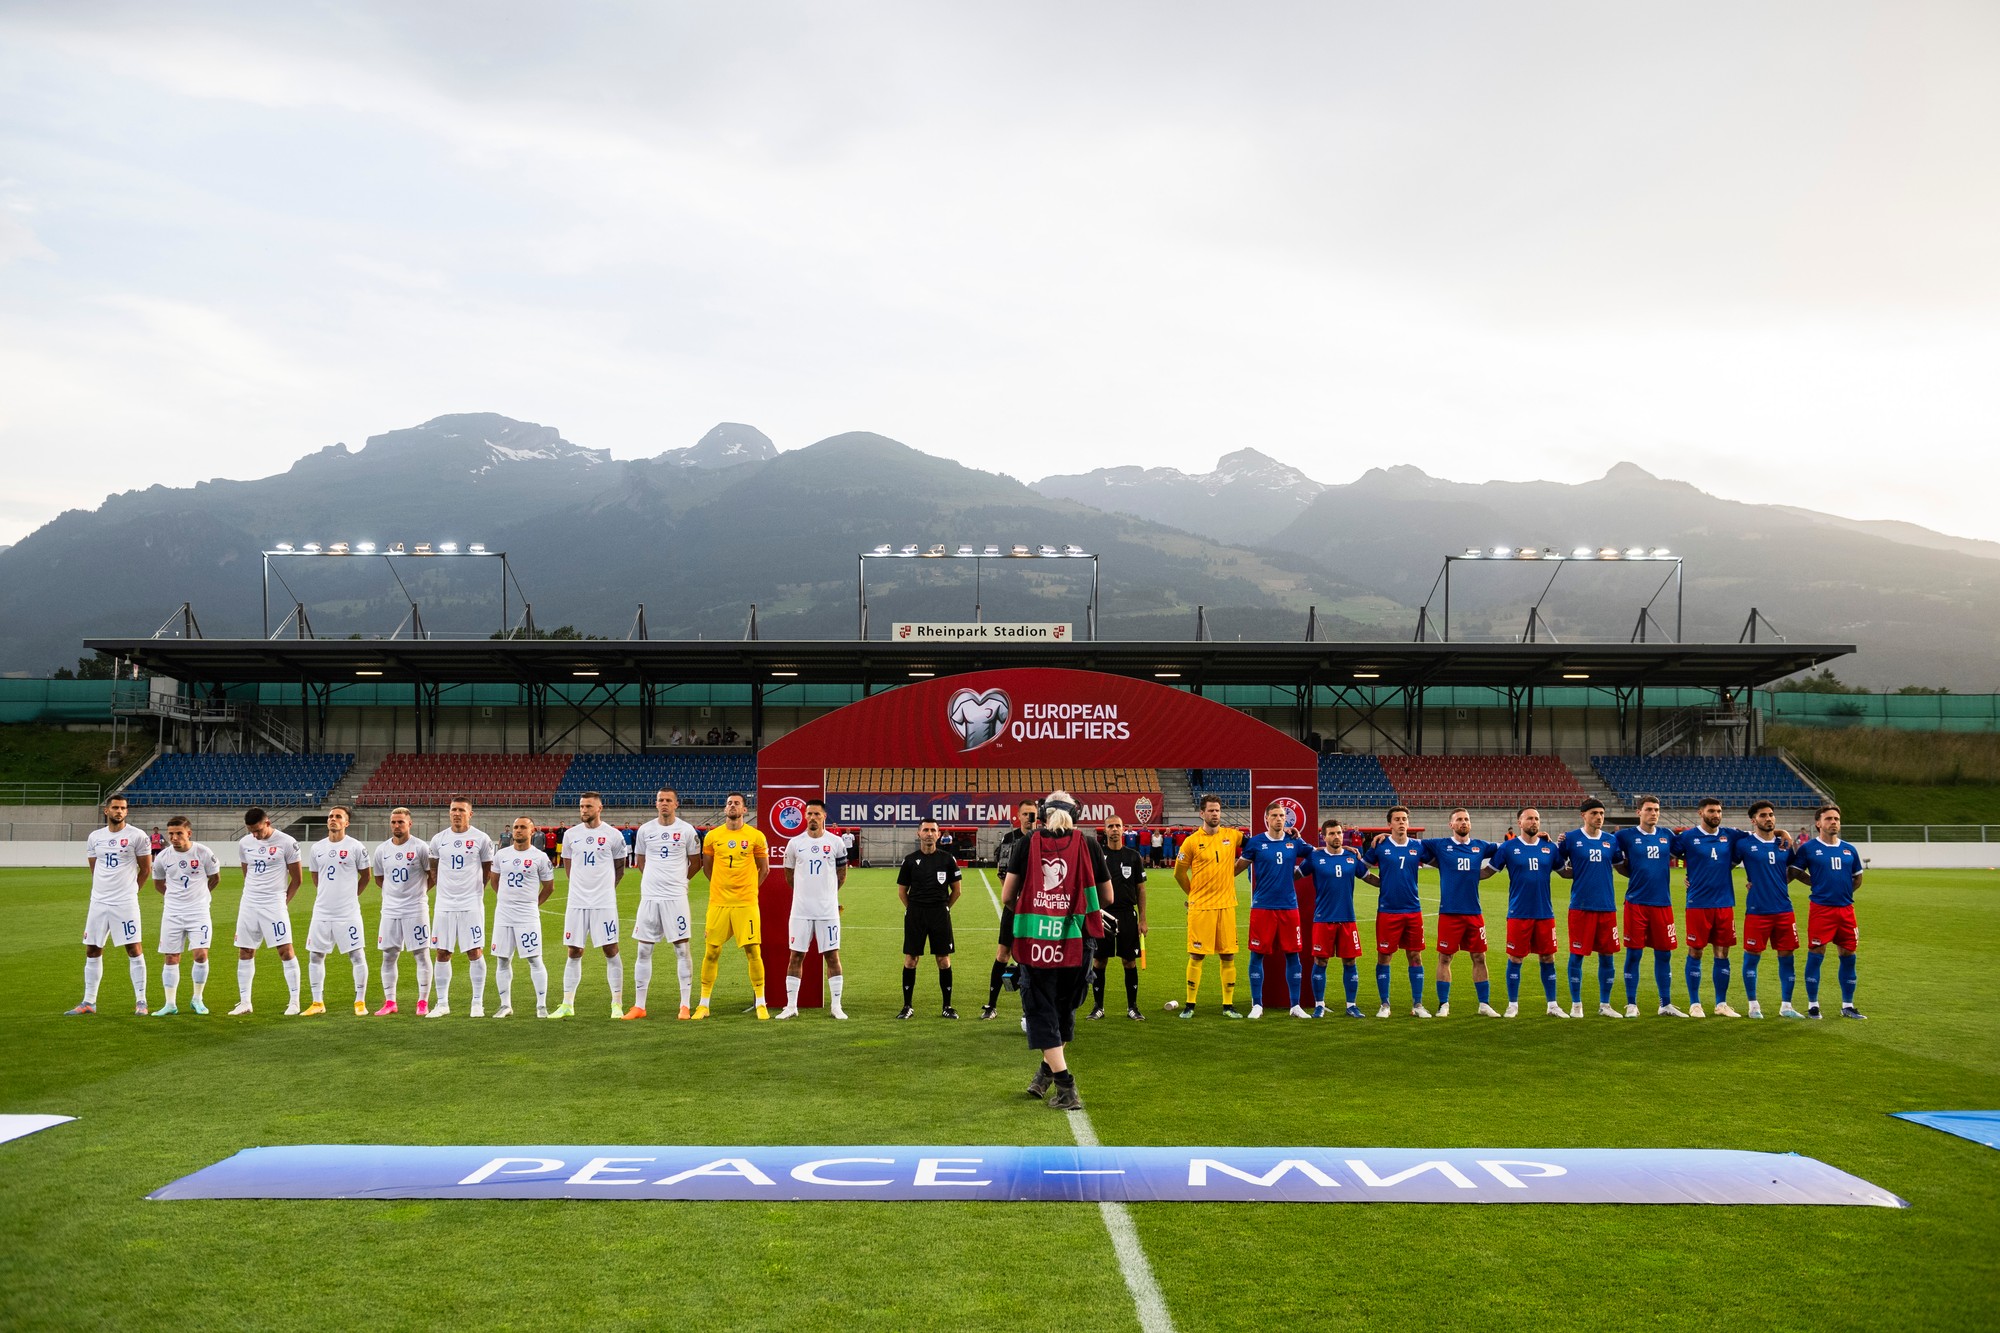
x=1722, y=970
x=1256, y=978
x=1750, y=961
x=1604, y=974
x=1632, y=975
x=1788, y=974
x=1663, y=975
x=1513, y=981
x=1292, y=977
x=1416, y=983
x=1350, y=980
x=1693, y=970
x=1484, y=990
x=1847, y=976
x=1576, y=978
x=1382, y=981
x=1319, y=982
x=1444, y=984
x=1549, y=979
x=1813, y=961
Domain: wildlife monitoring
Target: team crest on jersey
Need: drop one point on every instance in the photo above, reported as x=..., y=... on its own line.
x=789, y=814
x=941, y=874
x=1142, y=810
x=979, y=717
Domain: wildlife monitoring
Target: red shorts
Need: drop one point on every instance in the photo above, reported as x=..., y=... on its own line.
x=1592, y=932
x=1398, y=930
x=1832, y=925
x=1274, y=930
x=1711, y=925
x=1527, y=935
x=1781, y=928
x=1649, y=928
x=1336, y=939
x=1461, y=930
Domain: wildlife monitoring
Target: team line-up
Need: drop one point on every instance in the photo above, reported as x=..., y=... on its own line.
x=462, y=864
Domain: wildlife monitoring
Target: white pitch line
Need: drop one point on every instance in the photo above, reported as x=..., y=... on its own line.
x=1132, y=1263
x=1138, y=1273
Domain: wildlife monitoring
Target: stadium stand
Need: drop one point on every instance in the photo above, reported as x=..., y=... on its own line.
x=1231, y=784
x=1354, y=779
x=489, y=779
x=633, y=779
x=238, y=779
x=1076, y=781
x=1683, y=780
x=1482, y=780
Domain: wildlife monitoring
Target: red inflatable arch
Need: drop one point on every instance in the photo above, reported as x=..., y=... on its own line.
x=1028, y=718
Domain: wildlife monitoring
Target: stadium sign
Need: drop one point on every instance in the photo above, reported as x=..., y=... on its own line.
x=984, y=631
x=875, y=807
x=1026, y=1174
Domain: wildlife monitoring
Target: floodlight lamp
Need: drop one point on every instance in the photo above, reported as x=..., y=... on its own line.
x=935, y=550
x=965, y=548
x=1635, y=553
x=908, y=549
x=311, y=547
x=397, y=549
x=1607, y=553
x=1020, y=548
x=423, y=548
x=991, y=549
x=448, y=548
x=1529, y=553
x=882, y=549
x=1576, y=675
x=477, y=548
x=1073, y=549
x=1662, y=553
x=365, y=548
x=284, y=546
x=1502, y=552
x=1368, y=675
x=364, y=671
x=1473, y=553
x=1045, y=549
x=1583, y=553
x=337, y=548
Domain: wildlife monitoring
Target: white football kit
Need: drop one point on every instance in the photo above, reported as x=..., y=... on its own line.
x=815, y=865
x=402, y=869
x=263, y=917
x=459, y=923
x=517, y=911
x=185, y=922
x=336, y=925
x=664, y=913
x=591, y=856
x=113, y=916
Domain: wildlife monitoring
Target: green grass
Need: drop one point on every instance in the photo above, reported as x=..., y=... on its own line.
x=31, y=753
x=1867, y=802
x=79, y=1246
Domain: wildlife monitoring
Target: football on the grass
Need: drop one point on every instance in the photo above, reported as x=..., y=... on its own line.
x=1173, y=1005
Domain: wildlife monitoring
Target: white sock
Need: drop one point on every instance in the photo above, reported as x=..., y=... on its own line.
x=684, y=969
x=170, y=980
x=614, y=972
x=360, y=961
x=441, y=978
x=291, y=967
x=792, y=991
x=572, y=978
x=642, y=974
x=503, y=980
x=316, y=974
x=538, y=972
x=834, y=986
x=93, y=973
x=424, y=964
x=246, y=972
x=137, y=968
x=479, y=980
x=200, y=976
x=389, y=977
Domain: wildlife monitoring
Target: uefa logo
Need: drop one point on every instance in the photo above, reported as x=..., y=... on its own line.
x=1142, y=810
x=789, y=814
x=1295, y=814
x=979, y=717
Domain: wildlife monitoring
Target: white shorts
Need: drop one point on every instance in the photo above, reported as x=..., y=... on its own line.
x=403, y=932
x=184, y=931
x=590, y=927
x=517, y=937
x=668, y=919
x=805, y=929
x=113, y=927
x=336, y=934
x=257, y=925
x=458, y=932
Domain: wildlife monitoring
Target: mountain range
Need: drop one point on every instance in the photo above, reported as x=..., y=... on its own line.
x=699, y=533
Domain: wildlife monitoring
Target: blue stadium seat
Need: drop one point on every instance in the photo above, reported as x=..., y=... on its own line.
x=700, y=777
x=239, y=779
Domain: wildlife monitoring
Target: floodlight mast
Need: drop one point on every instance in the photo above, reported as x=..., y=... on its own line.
x=1581, y=554
x=396, y=551
x=965, y=551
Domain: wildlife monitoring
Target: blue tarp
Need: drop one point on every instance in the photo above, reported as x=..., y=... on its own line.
x=1979, y=1126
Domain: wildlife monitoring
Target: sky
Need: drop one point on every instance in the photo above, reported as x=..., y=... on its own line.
x=1747, y=245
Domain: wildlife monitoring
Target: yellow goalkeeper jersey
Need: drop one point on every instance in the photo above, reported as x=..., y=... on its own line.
x=732, y=877
x=1211, y=862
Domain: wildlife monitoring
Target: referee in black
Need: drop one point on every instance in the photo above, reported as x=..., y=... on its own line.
x=929, y=886
x=1025, y=820
x=1127, y=918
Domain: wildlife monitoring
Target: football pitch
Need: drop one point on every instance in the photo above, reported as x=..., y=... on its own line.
x=159, y=1098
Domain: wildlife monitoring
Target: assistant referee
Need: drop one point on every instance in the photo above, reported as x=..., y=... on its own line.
x=929, y=886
